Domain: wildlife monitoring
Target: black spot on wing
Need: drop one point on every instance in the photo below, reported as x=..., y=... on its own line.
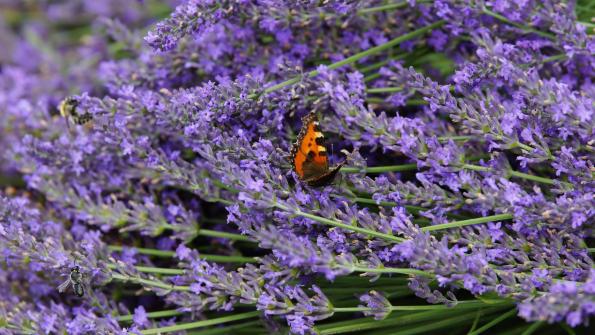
x=320, y=140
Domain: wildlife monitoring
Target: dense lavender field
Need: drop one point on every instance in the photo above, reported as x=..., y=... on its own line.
x=162, y=171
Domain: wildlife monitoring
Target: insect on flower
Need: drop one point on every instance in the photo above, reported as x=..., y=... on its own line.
x=308, y=155
x=76, y=279
x=68, y=109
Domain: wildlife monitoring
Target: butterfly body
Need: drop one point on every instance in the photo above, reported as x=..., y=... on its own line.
x=309, y=157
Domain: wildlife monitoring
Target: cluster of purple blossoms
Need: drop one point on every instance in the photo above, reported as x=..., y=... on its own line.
x=146, y=184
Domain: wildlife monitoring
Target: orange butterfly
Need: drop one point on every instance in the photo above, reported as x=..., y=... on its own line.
x=309, y=157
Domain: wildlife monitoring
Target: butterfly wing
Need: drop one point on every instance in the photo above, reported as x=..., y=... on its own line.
x=326, y=178
x=309, y=157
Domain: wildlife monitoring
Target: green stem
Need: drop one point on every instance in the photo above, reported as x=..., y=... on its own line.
x=361, y=324
x=162, y=271
x=143, y=251
x=224, y=186
x=198, y=324
x=381, y=169
x=343, y=291
x=391, y=270
x=532, y=328
x=460, y=138
x=462, y=223
x=147, y=282
x=475, y=321
x=382, y=63
x=358, y=56
x=410, y=102
x=227, y=330
x=384, y=89
x=515, y=174
x=416, y=102
x=383, y=8
x=228, y=259
x=494, y=322
x=207, y=257
x=374, y=202
x=401, y=321
x=389, y=7
x=371, y=77
x=220, y=200
x=532, y=177
x=339, y=224
x=517, y=25
x=410, y=208
x=460, y=304
x=355, y=281
x=521, y=145
x=437, y=326
x=476, y=168
x=555, y=58
x=375, y=100
x=152, y=315
x=220, y=234
x=568, y=330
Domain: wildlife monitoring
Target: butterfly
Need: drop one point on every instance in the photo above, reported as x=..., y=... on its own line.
x=308, y=154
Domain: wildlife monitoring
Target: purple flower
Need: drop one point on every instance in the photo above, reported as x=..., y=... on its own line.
x=300, y=324
x=379, y=306
x=183, y=252
x=140, y=317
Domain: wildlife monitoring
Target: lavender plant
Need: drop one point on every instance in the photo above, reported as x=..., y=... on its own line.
x=146, y=144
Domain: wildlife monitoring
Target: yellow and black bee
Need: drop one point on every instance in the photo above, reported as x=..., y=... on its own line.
x=69, y=110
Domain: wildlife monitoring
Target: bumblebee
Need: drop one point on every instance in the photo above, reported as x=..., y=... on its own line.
x=69, y=110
